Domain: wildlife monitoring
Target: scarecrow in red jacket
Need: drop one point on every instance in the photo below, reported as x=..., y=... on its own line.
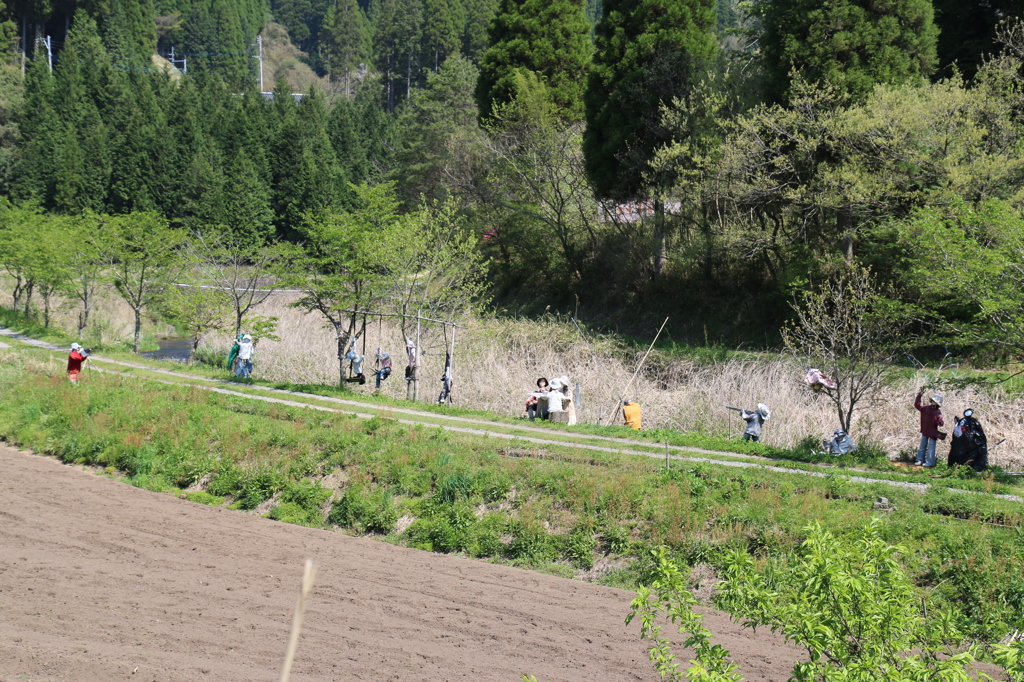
x=931, y=420
x=76, y=357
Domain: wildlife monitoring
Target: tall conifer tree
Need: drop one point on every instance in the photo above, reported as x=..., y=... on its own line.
x=547, y=37
x=346, y=34
x=648, y=52
x=853, y=44
x=43, y=132
x=441, y=31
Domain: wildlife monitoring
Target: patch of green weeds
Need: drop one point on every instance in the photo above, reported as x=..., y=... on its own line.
x=292, y=512
x=203, y=497
x=374, y=512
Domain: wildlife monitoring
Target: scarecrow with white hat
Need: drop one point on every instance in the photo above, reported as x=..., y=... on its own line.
x=755, y=419
x=76, y=357
x=245, y=351
x=931, y=420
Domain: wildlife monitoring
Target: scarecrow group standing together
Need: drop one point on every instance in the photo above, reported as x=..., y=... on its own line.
x=552, y=401
x=969, y=446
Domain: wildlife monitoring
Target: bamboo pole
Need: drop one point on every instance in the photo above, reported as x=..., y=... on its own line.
x=638, y=367
x=293, y=640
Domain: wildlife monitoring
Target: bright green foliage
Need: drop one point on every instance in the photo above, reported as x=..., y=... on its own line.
x=86, y=248
x=847, y=602
x=647, y=53
x=548, y=38
x=853, y=44
x=143, y=261
x=347, y=257
x=197, y=310
x=851, y=605
x=1011, y=657
x=668, y=597
x=968, y=265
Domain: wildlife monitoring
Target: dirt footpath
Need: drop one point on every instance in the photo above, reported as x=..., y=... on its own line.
x=100, y=581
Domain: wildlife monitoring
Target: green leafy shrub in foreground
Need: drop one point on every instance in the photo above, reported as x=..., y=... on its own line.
x=847, y=602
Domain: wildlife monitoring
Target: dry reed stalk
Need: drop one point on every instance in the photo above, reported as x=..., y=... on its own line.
x=293, y=640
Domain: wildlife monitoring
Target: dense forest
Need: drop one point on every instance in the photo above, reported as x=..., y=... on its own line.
x=699, y=158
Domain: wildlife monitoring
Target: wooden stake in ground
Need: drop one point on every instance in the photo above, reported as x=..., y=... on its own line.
x=293, y=641
x=638, y=367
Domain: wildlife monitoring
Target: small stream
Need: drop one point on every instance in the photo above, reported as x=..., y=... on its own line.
x=177, y=349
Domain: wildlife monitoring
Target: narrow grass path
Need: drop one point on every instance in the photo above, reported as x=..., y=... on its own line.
x=481, y=427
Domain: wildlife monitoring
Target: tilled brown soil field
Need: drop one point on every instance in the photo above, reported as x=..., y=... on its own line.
x=100, y=581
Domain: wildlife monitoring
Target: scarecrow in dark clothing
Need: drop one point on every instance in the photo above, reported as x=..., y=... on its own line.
x=970, y=445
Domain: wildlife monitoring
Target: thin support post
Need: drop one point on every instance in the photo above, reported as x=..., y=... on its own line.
x=416, y=369
x=638, y=367
x=451, y=373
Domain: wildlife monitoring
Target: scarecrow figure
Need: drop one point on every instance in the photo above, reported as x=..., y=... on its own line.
x=818, y=380
x=969, y=444
x=755, y=420
x=841, y=443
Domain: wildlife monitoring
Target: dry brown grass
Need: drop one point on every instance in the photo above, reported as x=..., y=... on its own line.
x=110, y=320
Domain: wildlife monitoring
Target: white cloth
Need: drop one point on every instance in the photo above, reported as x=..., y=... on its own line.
x=245, y=350
x=555, y=401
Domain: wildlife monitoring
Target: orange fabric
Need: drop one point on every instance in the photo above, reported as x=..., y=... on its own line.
x=631, y=413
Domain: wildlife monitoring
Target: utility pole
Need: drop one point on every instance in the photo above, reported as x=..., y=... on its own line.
x=49, y=54
x=174, y=61
x=259, y=42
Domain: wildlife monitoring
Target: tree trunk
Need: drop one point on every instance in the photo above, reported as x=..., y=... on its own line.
x=659, y=237
x=16, y=292
x=844, y=225
x=342, y=338
x=83, y=317
x=138, y=329
x=46, y=310
x=28, y=294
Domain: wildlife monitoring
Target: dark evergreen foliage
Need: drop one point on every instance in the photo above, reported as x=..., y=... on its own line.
x=967, y=31
x=647, y=52
x=853, y=44
x=547, y=37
